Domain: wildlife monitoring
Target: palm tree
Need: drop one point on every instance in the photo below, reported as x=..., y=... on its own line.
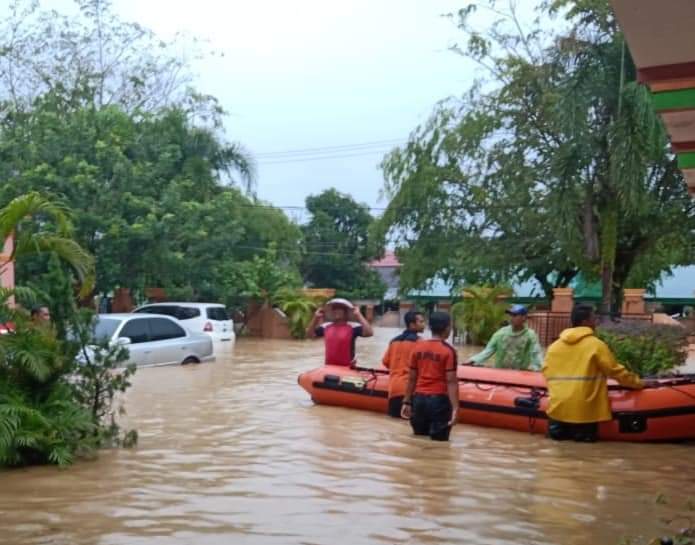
x=50, y=232
x=481, y=312
x=299, y=309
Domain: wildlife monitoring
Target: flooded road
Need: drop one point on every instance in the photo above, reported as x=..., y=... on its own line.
x=235, y=452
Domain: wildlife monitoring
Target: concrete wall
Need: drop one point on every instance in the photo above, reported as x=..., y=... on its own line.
x=267, y=323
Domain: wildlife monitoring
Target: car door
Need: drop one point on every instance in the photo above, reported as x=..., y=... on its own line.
x=170, y=343
x=140, y=347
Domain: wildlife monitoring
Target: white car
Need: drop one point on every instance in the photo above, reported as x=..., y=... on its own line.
x=210, y=318
x=154, y=340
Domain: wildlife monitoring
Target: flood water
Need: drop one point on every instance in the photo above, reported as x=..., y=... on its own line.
x=235, y=452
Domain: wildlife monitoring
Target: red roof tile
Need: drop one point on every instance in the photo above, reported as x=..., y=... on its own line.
x=389, y=260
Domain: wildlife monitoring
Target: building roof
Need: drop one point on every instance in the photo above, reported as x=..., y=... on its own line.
x=389, y=260
x=660, y=36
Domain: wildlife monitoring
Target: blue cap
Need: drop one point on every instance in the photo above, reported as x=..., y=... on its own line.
x=517, y=310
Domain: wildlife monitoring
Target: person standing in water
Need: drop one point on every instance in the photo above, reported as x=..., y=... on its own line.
x=576, y=367
x=514, y=346
x=397, y=360
x=340, y=334
x=431, y=398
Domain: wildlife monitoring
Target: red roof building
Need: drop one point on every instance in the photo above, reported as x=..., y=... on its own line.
x=388, y=261
x=387, y=267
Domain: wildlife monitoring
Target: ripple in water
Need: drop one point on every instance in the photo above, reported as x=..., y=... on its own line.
x=234, y=452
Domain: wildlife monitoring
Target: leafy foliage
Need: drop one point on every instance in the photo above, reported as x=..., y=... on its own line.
x=47, y=428
x=262, y=278
x=99, y=379
x=481, y=312
x=644, y=348
x=40, y=420
x=149, y=202
x=554, y=164
x=338, y=245
x=100, y=119
x=299, y=309
x=41, y=226
x=53, y=409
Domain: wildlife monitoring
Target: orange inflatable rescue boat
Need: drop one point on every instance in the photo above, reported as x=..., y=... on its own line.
x=516, y=400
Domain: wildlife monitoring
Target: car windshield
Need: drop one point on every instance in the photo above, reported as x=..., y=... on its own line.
x=104, y=328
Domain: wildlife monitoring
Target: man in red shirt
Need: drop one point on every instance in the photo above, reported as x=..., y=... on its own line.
x=340, y=334
x=432, y=396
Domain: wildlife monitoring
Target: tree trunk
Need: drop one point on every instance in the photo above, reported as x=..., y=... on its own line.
x=546, y=286
x=590, y=229
x=609, y=242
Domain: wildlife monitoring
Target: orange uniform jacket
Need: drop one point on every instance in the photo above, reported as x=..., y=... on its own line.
x=397, y=361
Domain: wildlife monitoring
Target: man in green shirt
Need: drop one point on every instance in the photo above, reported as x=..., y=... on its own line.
x=514, y=346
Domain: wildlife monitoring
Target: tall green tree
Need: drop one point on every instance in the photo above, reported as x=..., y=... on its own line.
x=552, y=164
x=136, y=186
x=100, y=116
x=338, y=246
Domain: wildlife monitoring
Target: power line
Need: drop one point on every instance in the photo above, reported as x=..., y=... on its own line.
x=392, y=208
x=323, y=157
x=330, y=149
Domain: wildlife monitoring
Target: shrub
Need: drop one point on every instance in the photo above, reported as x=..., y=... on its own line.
x=299, y=309
x=52, y=407
x=645, y=348
x=481, y=312
x=41, y=421
x=98, y=380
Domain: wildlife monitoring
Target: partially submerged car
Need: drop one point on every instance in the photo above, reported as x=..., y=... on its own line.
x=210, y=318
x=153, y=339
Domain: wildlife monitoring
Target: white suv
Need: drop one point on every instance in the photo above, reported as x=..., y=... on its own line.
x=207, y=318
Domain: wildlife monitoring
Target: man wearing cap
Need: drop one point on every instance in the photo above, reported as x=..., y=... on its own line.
x=514, y=346
x=340, y=334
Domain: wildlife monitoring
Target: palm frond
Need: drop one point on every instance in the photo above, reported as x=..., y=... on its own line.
x=67, y=249
x=30, y=205
x=236, y=159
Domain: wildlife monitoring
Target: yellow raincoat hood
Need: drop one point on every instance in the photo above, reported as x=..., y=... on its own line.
x=575, y=334
x=576, y=367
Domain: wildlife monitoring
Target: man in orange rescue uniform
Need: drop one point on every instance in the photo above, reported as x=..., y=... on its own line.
x=340, y=334
x=575, y=368
x=432, y=396
x=397, y=360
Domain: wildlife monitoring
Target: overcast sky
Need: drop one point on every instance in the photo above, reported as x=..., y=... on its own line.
x=317, y=74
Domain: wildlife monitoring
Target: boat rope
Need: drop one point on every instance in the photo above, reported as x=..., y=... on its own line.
x=677, y=389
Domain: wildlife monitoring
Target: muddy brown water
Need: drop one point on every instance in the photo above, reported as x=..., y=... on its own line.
x=235, y=452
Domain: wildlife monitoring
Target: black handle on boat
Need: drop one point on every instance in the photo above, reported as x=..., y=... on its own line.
x=370, y=370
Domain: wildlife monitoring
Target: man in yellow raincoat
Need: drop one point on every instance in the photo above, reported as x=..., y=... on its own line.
x=576, y=367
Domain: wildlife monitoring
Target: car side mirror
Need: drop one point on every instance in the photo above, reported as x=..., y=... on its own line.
x=124, y=341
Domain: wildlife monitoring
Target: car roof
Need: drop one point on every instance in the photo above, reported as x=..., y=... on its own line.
x=175, y=304
x=126, y=315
